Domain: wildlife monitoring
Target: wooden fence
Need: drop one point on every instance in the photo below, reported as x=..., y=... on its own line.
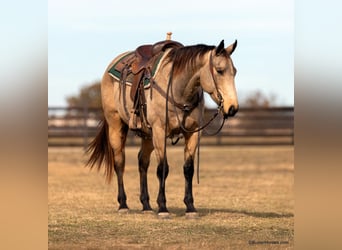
x=251, y=126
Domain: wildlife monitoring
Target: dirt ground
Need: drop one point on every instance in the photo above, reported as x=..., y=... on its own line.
x=245, y=199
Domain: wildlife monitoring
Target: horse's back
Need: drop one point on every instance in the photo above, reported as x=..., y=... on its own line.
x=116, y=59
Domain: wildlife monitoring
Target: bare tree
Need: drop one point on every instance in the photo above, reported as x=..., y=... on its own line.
x=89, y=95
x=259, y=99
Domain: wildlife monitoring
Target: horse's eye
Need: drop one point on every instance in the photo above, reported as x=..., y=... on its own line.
x=220, y=71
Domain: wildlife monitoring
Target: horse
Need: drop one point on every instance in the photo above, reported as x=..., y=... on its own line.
x=174, y=105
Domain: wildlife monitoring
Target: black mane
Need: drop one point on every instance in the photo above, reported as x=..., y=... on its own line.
x=185, y=56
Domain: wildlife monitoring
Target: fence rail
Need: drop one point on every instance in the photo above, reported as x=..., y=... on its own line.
x=76, y=126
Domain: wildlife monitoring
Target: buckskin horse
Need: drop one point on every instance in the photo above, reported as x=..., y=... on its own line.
x=170, y=104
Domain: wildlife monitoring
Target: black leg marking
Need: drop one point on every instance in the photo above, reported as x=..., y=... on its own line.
x=161, y=200
x=188, y=174
x=143, y=167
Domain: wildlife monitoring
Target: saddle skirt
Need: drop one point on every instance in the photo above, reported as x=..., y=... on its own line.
x=125, y=61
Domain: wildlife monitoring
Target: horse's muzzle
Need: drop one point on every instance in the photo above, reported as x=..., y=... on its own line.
x=231, y=112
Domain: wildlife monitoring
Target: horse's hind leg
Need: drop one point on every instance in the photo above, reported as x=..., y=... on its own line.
x=189, y=152
x=144, y=162
x=117, y=136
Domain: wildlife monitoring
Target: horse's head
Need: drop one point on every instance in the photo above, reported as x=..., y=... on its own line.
x=218, y=79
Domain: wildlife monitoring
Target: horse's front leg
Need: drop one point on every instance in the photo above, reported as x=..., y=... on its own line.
x=162, y=169
x=191, y=141
x=144, y=162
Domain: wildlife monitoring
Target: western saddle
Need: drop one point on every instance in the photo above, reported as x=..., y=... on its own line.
x=140, y=64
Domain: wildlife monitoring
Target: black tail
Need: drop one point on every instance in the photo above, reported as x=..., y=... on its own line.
x=101, y=152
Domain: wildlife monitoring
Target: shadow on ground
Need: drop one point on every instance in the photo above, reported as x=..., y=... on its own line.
x=205, y=212
x=178, y=212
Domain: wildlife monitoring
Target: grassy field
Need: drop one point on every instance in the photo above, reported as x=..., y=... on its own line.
x=245, y=200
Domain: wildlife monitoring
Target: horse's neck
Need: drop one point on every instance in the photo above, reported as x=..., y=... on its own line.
x=187, y=84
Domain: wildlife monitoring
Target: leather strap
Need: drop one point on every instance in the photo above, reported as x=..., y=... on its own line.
x=184, y=107
x=211, y=69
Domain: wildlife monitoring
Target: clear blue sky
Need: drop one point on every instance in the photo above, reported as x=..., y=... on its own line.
x=84, y=36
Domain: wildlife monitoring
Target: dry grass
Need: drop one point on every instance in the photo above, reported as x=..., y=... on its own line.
x=245, y=194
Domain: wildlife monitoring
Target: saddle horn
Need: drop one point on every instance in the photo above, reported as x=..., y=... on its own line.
x=168, y=35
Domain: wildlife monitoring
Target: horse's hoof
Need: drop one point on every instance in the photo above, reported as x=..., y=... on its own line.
x=164, y=215
x=192, y=215
x=123, y=211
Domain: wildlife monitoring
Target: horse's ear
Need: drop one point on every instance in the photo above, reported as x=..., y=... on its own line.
x=219, y=48
x=230, y=49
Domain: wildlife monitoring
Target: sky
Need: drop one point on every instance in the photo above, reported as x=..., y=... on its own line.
x=84, y=36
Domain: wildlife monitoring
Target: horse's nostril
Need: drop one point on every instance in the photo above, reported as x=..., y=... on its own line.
x=232, y=111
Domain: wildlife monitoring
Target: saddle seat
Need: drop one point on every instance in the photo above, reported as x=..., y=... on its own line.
x=144, y=53
x=143, y=63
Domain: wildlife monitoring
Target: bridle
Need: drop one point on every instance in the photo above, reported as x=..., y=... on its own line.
x=211, y=69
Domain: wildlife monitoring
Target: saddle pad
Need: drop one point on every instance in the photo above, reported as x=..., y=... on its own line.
x=115, y=70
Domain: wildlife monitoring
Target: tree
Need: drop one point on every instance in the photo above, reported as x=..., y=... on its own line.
x=89, y=95
x=259, y=99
